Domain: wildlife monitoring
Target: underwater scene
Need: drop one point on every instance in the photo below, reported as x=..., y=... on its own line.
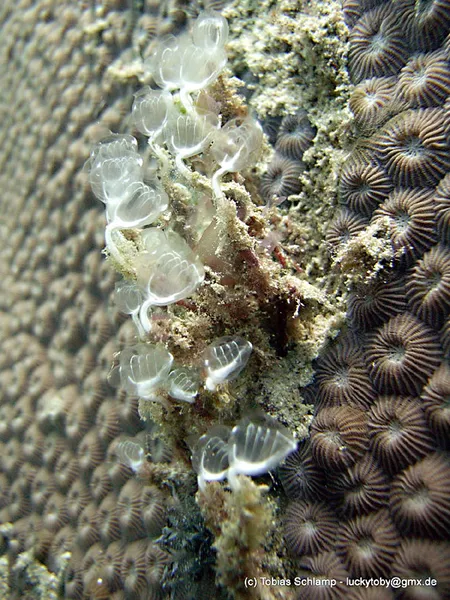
x=225, y=300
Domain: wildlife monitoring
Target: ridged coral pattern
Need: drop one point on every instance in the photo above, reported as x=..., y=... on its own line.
x=60, y=487
x=399, y=324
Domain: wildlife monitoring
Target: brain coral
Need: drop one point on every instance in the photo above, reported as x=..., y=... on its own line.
x=398, y=311
x=59, y=416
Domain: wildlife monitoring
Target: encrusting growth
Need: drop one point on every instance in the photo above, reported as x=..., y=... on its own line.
x=166, y=262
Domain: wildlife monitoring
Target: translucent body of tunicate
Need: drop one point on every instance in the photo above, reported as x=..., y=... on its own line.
x=144, y=368
x=224, y=359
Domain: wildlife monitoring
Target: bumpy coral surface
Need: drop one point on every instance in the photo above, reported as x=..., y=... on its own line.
x=77, y=521
x=389, y=496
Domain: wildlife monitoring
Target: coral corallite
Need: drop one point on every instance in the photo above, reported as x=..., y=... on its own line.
x=402, y=354
x=411, y=218
x=420, y=497
x=338, y=436
x=377, y=45
x=312, y=569
x=371, y=305
x=309, y=527
x=360, y=489
x=427, y=24
x=363, y=187
x=129, y=513
x=398, y=432
x=428, y=286
x=371, y=101
x=282, y=178
x=414, y=148
x=134, y=568
x=442, y=203
x=368, y=544
x=345, y=225
x=420, y=558
x=300, y=476
x=435, y=403
x=342, y=378
x=295, y=135
x=425, y=80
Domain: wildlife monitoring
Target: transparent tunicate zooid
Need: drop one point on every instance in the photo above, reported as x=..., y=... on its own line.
x=113, y=165
x=128, y=298
x=210, y=30
x=199, y=68
x=144, y=368
x=184, y=383
x=151, y=109
x=167, y=270
x=256, y=447
x=175, y=277
x=141, y=205
x=191, y=64
x=210, y=456
x=150, y=113
x=165, y=63
x=188, y=135
x=115, y=145
x=235, y=147
x=224, y=359
x=237, y=143
x=131, y=454
x=115, y=169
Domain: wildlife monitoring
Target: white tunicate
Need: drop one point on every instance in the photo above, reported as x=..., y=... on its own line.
x=131, y=454
x=173, y=279
x=144, y=368
x=151, y=109
x=113, y=165
x=141, y=206
x=128, y=297
x=184, y=383
x=237, y=143
x=111, y=178
x=167, y=269
x=152, y=240
x=165, y=63
x=180, y=63
x=224, y=359
x=114, y=146
x=254, y=446
x=257, y=447
x=210, y=31
x=199, y=67
x=188, y=134
x=210, y=455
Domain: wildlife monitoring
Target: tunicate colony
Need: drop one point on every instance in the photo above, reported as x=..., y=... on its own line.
x=252, y=447
x=165, y=270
